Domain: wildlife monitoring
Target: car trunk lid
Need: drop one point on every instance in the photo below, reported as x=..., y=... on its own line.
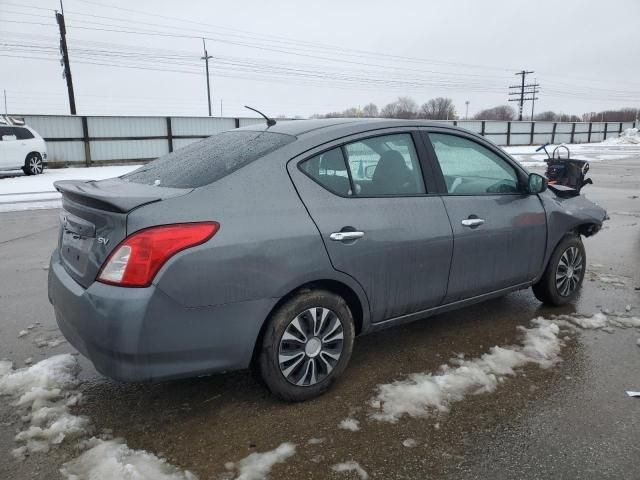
x=93, y=220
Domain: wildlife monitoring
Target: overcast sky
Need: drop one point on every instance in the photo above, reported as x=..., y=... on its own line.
x=303, y=57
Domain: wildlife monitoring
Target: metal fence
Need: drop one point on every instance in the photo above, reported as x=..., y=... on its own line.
x=88, y=140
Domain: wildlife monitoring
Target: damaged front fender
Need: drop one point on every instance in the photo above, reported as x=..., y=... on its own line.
x=567, y=213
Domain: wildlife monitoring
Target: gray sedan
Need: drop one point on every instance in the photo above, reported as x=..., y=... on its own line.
x=273, y=247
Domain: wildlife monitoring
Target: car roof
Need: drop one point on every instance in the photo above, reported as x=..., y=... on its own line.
x=299, y=128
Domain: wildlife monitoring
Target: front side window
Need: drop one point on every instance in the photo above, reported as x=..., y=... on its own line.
x=470, y=168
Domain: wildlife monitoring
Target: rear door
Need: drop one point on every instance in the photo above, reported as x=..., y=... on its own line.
x=9, y=149
x=499, y=230
x=379, y=220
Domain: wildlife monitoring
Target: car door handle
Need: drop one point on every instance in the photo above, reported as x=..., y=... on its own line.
x=472, y=222
x=342, y=236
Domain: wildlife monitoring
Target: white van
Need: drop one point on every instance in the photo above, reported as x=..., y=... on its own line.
x=21, y=147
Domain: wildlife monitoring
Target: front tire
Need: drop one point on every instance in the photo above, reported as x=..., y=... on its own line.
x=562, y=279
x=33, y=164
x=307, y=345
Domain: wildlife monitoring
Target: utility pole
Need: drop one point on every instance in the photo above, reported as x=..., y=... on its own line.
x=466, y=115
x=522, y=91
x=206, y=62
x=65, y=58
x=6, y=112
x=533, y=101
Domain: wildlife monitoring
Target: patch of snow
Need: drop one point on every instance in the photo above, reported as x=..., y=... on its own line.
x=601, y=320
x=423, y=394
x=631, y=136
x=409, y=443
x=351, y=467
x=114, y=460
x=22, y=333
x=350, y=424
x=258, y=465
x=315, y=441
x=43, y=395
x=21, y=192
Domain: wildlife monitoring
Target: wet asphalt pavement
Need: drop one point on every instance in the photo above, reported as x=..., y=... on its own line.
x=571, y=421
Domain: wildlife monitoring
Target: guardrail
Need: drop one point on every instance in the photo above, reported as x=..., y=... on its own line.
x=91, y=140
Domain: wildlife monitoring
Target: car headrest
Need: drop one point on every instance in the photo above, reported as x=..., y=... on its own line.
x=332, y=160
x=391, y=165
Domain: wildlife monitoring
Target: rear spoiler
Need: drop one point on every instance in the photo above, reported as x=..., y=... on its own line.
x=114, y=194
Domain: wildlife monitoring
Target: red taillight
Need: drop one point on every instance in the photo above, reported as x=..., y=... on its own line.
x=135, y=262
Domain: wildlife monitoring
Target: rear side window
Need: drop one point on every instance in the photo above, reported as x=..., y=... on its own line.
x=22, y=133
x=329, y=170
x=208, y=160
x=6, y=131
x=384, y=165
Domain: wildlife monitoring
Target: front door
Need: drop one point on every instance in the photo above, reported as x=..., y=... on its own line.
x=378, y=221
x=499, y=230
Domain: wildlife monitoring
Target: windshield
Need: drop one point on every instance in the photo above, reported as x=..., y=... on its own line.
x=208, y=160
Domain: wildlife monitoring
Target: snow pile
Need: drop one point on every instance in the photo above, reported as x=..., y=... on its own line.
x=601, y=320
x=114, y=460
x=349, y=424
x=258, y=465
x=351, y=467
x=43, y=394
x=421, y=394
x=631, y=136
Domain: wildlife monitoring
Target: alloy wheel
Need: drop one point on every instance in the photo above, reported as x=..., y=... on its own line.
x=311, y=346
x=569, y=271
x=35, y=165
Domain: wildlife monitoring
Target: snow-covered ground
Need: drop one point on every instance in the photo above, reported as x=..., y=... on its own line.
x=626, y=145
x=21, y=192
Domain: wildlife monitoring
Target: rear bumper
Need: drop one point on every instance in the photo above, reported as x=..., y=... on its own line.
x=141, y=334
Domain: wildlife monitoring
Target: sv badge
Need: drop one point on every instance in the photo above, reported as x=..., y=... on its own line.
x=104, y=241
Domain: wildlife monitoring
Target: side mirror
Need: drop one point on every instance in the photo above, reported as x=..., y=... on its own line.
x=536, y=183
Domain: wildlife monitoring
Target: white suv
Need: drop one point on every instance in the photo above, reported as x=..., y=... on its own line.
x=21, y=147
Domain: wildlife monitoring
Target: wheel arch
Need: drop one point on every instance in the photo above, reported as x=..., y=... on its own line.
x=33, y=152
x=357, y=305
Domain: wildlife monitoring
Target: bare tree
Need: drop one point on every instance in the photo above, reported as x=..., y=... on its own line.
x=404, y=107
x=370, y=110
x=438, y=109
x=501, y=112
x=547, y=116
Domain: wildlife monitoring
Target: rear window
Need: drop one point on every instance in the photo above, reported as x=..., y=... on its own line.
x=208, y=160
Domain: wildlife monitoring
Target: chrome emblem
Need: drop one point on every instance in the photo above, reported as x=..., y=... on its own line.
x=103, y=241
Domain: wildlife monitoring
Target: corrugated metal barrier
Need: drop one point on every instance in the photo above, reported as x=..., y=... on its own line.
x=119, y=139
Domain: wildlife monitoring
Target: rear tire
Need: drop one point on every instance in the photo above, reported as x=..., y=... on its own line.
x=33, y=164
x=307, y=344
x=562, y=279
